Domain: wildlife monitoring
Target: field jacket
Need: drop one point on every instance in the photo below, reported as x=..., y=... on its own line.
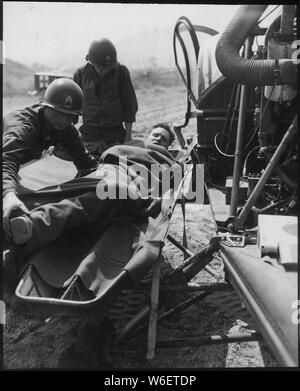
x=26, y=134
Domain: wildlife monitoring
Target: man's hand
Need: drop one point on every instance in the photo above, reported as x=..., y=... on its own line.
x=128, y=139
x=128, y=136
x=154, y=207
x=10, y=203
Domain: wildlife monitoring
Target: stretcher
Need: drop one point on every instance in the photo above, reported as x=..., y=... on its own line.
x=81, y=273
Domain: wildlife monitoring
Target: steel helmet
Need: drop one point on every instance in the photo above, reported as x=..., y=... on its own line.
x=102, y=52
x=64, y=95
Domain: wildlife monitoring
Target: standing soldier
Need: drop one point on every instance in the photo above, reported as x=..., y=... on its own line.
x=110, y=103
x=28, y=132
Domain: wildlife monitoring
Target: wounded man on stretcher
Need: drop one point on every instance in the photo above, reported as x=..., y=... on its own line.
x=130, y=180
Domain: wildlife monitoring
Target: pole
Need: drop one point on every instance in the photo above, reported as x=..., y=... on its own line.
x=239, y=141
x=265, y=176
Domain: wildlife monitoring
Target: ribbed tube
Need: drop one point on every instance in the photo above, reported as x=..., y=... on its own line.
x=249, y=71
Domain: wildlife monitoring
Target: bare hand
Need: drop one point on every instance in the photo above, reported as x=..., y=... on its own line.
x=128, y=138
x=10, y=203
x=154, y=207
x=128, y=135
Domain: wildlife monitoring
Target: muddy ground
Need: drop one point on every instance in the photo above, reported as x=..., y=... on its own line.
x=32, y=343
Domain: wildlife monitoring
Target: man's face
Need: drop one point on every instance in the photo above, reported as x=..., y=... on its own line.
x=58, y=119
x=159, y=136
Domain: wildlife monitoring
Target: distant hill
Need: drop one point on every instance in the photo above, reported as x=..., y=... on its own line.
x=143, y=50
x=138, y=51
x=18, y=79
x=147, y=48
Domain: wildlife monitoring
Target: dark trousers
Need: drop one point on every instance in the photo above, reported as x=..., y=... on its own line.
x=51, y=220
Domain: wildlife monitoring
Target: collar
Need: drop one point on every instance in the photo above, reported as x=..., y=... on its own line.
x=45, y=124
x=47, y=129
x=90, y=69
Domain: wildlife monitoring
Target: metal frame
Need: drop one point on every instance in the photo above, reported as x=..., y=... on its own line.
x=199, y=261
x=183, y=24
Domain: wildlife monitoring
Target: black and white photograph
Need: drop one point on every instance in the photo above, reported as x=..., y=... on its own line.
x=149, y=177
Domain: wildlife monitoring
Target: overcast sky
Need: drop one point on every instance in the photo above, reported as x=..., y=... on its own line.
x=53, y=33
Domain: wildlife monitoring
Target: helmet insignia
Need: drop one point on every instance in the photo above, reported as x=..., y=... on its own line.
x=68, y=101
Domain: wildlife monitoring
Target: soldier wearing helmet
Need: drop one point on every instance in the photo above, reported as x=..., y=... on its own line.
x=30, y=131
x=110, y=104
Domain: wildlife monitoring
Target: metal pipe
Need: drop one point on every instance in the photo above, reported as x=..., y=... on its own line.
x=193, y=287
x=265, y=176
x=250, y=71
x=190, y=287
x=178, y=308
x=238, y=267
x=202, y=263
x=196, y=262
x=204, y=289
x=193, y=258
x=199, y=341
x=179, y=245
x=153, y=311
x=235, y=111
x=210, y=340
x=132, y=324
x=239, y=141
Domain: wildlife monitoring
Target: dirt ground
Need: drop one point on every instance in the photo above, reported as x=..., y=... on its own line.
x=32, y=343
